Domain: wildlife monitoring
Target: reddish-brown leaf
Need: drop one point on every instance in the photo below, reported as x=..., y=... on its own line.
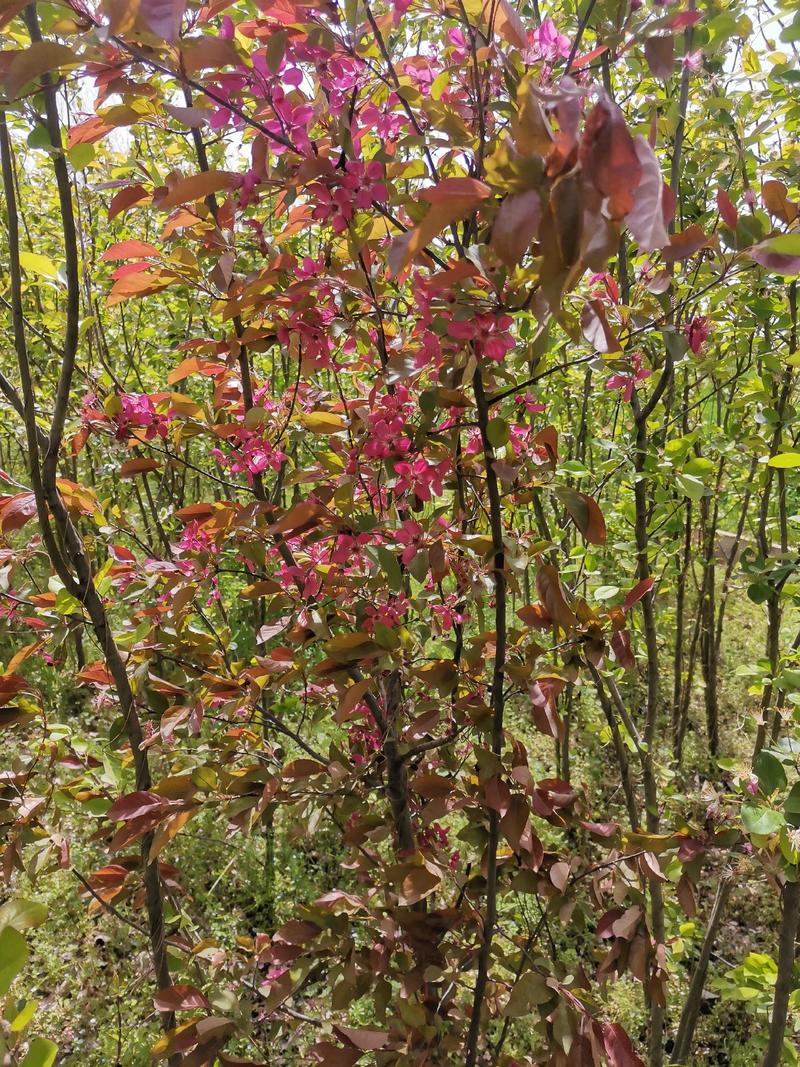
x=195, y=187
x=608, y=157
x=727, y=209
x=596, y=329
x=29, y=64
x=131, y=250
x=619, y=1050
x=777, y=202
x=660, y=55
x=638, y=591
x=125, y=198
x=645, y=220
x=684, y=244
x=366, y=1040
x=134, y=805
x=506, y=22
x=451, y=199
x=548, y=586
x=138, y=466
x=585, y=513
x=180, y=998
x=10, y=685
x=329, y=1055
x=15, y=511
x=515, y=226
x=621, y=645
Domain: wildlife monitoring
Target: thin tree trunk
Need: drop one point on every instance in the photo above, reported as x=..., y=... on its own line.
x=64, y=544
x=691, y=1006
x=785, y=980
x=680, y=608
x=498, y=707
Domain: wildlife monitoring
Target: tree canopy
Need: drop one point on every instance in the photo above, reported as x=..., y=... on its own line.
x=399, y=532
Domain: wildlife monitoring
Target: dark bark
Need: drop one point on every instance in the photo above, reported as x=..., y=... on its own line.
x=498, y=706
x=784, y=983
x=691, y=1006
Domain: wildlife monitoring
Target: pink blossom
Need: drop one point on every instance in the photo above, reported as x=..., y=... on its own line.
x=363, y=741
x=456, y=39
x=693, y=60
x=424, y=479
x=196, y=539
x=628, y=380
x=390, y=615
x=386, y=423
x=697, y=332
x=412, y=536
x=531, y=404
x=347, y=548
x=358, y=186
x=399, y=8
x=139, y=411
x=254, y=453
x=546, y=43
x=489, y=333
x=451, y=611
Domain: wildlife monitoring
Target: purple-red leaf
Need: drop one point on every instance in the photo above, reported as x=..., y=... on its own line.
x=515, y=226
x=727, y=209
x=638, y=591
x=645, y=220
x=660, y=55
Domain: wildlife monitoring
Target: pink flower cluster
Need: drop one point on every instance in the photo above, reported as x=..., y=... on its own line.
x=356, y=187
x=390, y=615
x=363, y=740
x=628, y=380
x=489, y=334
x=196, y=539
x=437, y=836
x=386, y=422
x=422, y=478
x=451, y=611
x=546, y=44
x=254, y=455
x=697, y=333
x=138, y=410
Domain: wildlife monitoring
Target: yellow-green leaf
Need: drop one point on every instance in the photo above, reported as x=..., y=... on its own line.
x=35, y=263
x=322, y=421
x=785, y=460
x=41, y=1053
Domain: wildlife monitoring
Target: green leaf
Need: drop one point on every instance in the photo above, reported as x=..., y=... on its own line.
x=530, y=990
x=606, y=592
x=791, y=33
x=791, y=806
x=81, y=155
x=785, y=460
x=390, y=565
x=13, y=956
x=770, y=773
x=19, y=1021
x=699, y=467
x=41, y=1053
x=689, y=486
x=498, y=433
x=22, y=914
x=761, y=820
x=785, y=244
x=759, y=592
x=34, y=263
